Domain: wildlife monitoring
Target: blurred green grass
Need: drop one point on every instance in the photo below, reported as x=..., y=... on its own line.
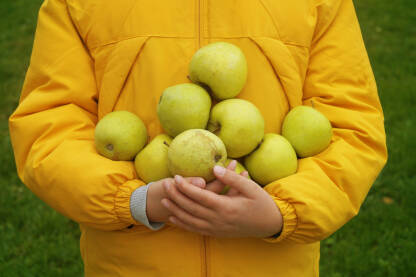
x=380, y=241
x=35, y=240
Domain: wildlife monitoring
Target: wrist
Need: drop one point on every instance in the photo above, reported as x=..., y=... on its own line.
x=150, y=211
x=154, y=209
x=276, y=223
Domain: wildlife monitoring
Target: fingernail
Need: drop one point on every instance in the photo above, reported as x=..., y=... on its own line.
x=166, y=185
x=165, y=202
x=200, y=182
x=219, y=170
x=178, y=178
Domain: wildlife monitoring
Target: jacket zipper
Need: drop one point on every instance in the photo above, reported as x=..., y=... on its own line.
x=204, y=256
x=200, y=23
x=200, y=33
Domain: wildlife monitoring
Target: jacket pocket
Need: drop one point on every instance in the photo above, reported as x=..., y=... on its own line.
x=284, y=66
x=113, y=64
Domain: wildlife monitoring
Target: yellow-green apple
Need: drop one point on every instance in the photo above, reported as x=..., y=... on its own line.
x=222, y=67
x=194, y=153
x=152, y=162
x=120, y=135
x=274, y=159
x=182, y=107
x=308, y=130
x=239, y=124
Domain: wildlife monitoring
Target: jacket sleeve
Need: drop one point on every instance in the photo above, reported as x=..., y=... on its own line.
x=52, y=130
x=329, y=188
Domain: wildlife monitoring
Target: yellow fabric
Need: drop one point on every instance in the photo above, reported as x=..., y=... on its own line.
x=91, y=57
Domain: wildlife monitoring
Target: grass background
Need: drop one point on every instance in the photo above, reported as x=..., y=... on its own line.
x=380, y=241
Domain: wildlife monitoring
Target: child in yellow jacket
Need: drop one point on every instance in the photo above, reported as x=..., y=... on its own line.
x=92, y=57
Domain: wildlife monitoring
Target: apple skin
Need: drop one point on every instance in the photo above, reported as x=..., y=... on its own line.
x=120, y=135
x=274, y=159
x=308, y=130
x=239, y=124
x=238, y=169
x=222, y=67
x=152, y=162
x=194, y=153
x=182, y=107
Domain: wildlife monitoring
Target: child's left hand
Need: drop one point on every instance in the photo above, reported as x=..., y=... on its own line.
x=248, y=211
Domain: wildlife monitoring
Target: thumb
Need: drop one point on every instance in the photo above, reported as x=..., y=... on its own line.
x=235, y=180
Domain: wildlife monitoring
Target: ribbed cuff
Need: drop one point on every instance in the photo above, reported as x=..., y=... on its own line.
x=138, y=208
x=289, y=220
x=122, y=200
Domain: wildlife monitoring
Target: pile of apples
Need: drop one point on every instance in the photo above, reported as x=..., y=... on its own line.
x=199, y=136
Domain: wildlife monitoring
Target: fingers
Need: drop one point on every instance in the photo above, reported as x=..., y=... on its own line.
x=187, y=227
x=184, y=202
x=215, y=186
x=233, y=191
x=232, y=165
x=234, y=180
x=197, y=181
x=218, y=187
x=184, y=219
x=204, y=197
x=244, y=174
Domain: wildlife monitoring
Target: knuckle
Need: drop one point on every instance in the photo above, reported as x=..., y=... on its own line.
x=193, y=210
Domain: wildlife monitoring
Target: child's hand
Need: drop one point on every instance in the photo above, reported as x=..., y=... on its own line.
x=247, y=211
x=216, y=185
x=155, y=211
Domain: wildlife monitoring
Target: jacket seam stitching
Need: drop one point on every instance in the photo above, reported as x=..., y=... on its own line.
x=185, y=37
x=275, y=24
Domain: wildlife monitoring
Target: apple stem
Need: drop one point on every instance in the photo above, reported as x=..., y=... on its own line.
x=165, y=143
x=217, y=158
x=206, y=87
x=313, y=106
x=213, y=127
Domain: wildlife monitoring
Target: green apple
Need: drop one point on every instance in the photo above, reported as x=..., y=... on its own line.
x=275, y=158
x=182, y=107
x=222, y=67
x=308, y=130
x=238, y=169
x=120, y=135
x=152, y=162
x=239, y=124
x=194, y=153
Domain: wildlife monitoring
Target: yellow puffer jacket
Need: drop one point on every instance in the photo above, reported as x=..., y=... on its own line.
x=91, y=57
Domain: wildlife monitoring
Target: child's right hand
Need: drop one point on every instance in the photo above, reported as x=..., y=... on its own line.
x=155, y=211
